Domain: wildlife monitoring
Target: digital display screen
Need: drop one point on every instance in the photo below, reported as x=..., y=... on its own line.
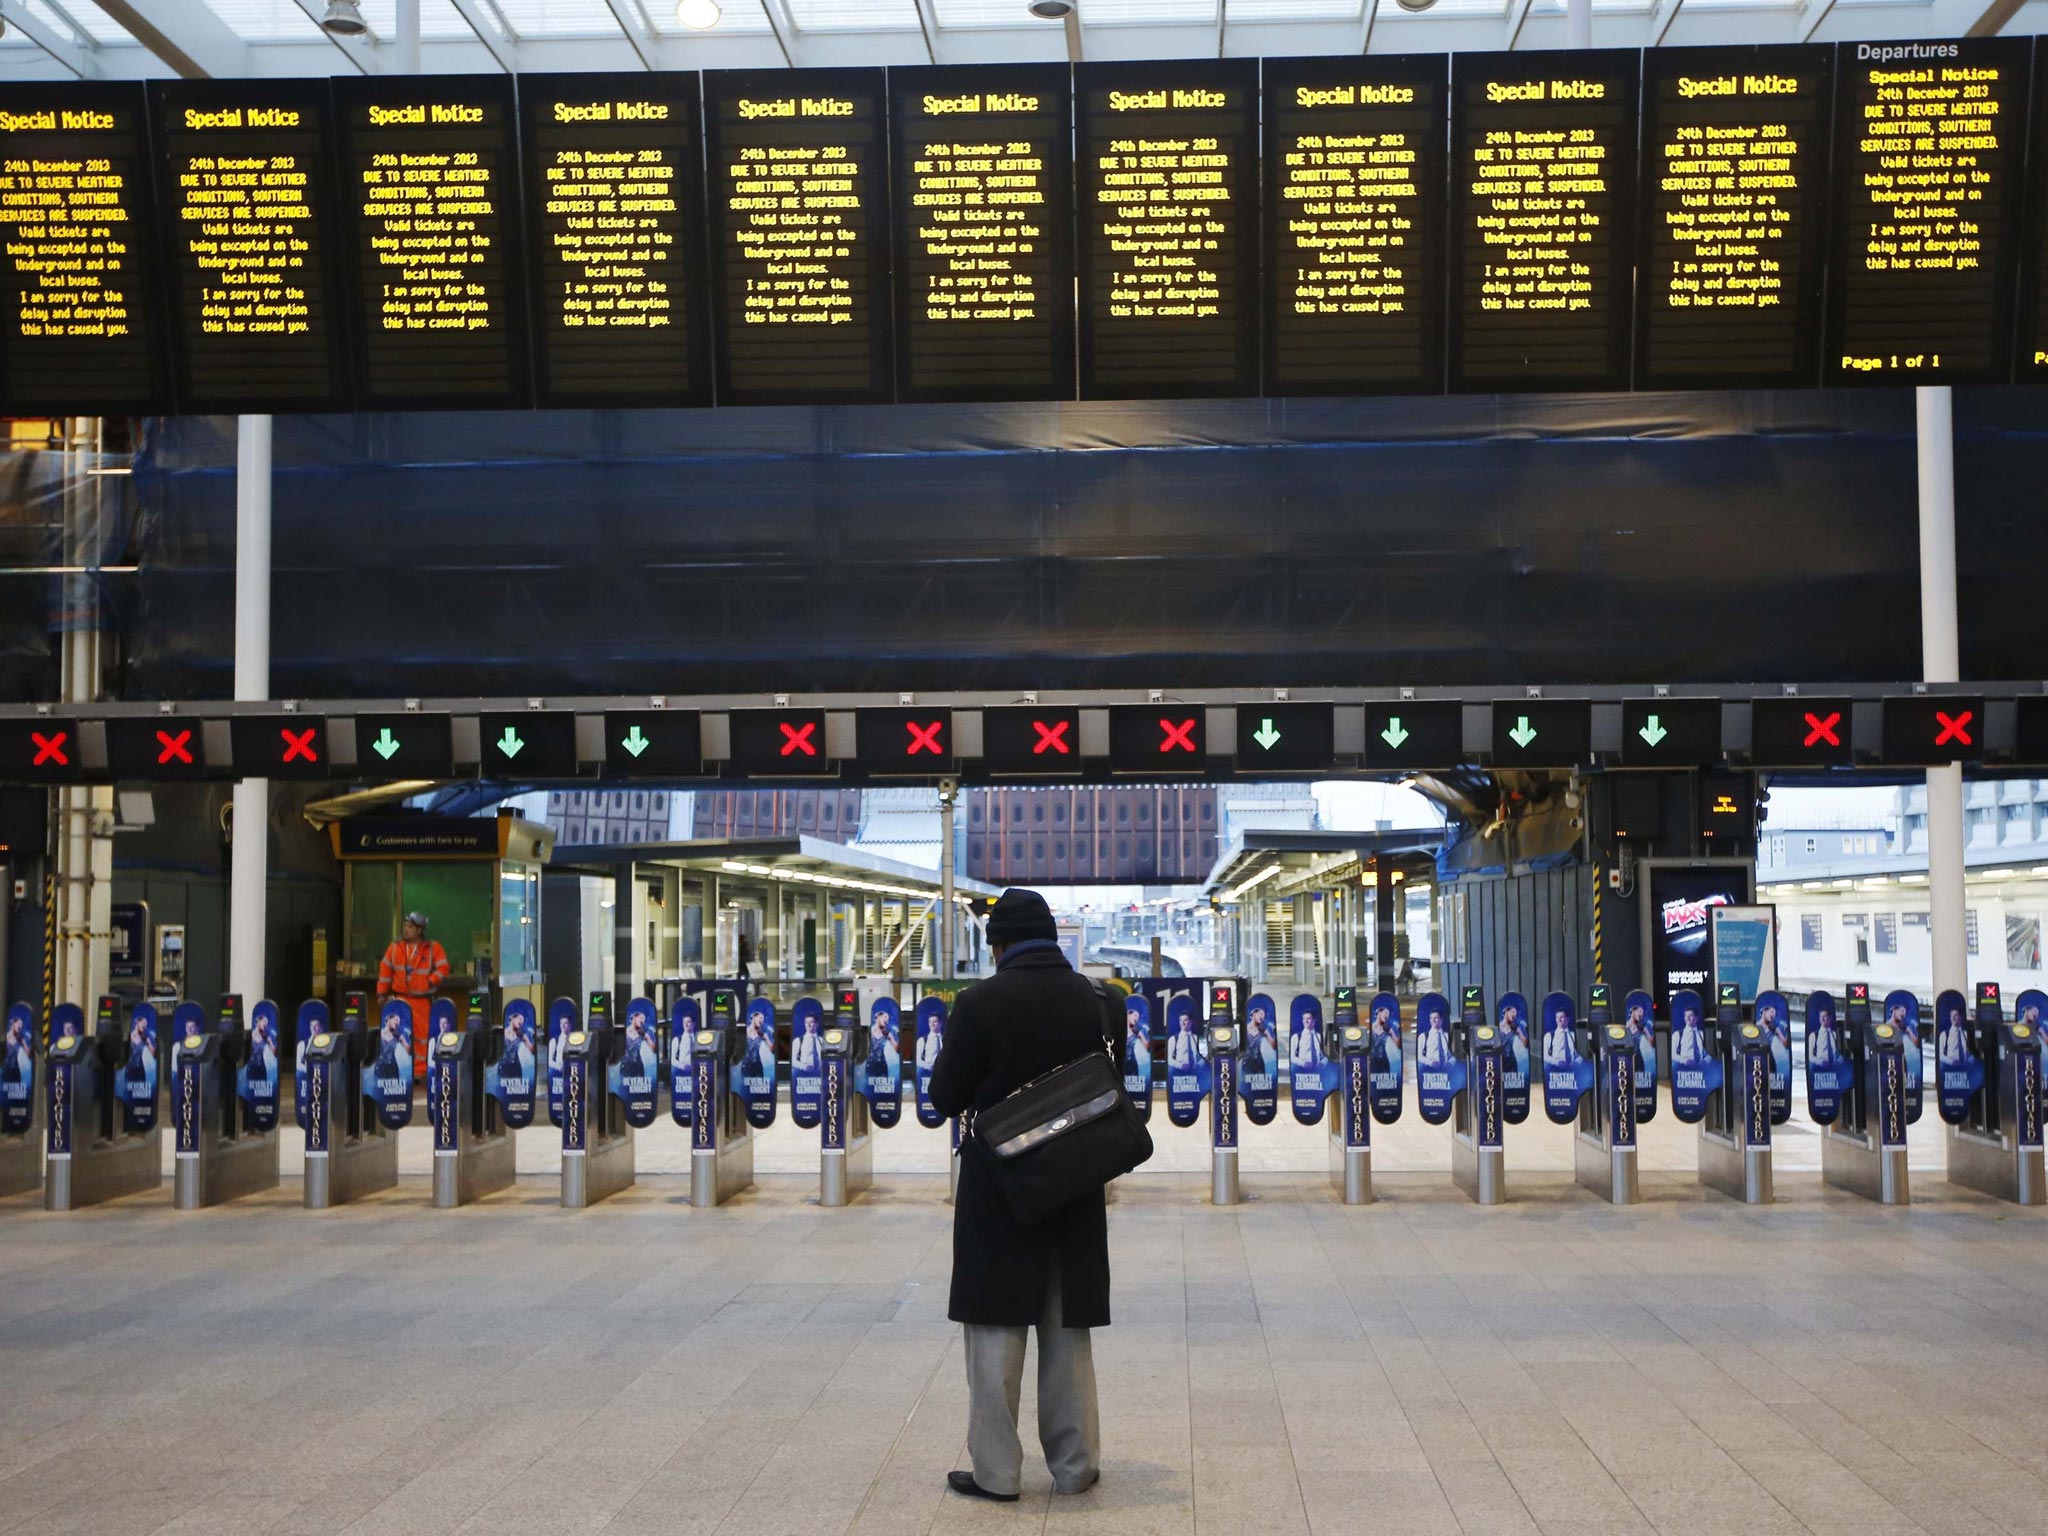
x=1681, y=903
x=1407, y=733
x=1542, y=733
x=1667, y=733
x=983, y=233
x=1167, y=165
x=248, y=215
x=614, y=223
x=405, y=746
x=1932, y=730
x=904, y=741
x=429, y=185
x=798, y=188
x=1928, y=147
x=40, y=751
x=78, y=321
x=653, y=743
x=158, y=747
x=2032, y=363
x=1031, y=740
x=1799, y=733
x=1286, y=738
x=535, y=744
x=280, y=746
x=1354, y=225
x=777, y=743
x=1735, y=156
x=1543, y=166
x=1158, y=738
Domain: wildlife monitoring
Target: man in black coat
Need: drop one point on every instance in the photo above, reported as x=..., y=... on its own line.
x=1034, y=1015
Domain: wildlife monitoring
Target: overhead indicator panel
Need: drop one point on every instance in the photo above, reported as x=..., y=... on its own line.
x=1354, y=224
x=1735, y=155
x=1167, y=162
x=1542, y=733
x=1929, y=141
x=526, y=744
x=615, y=198
x=1034, y=740
x=1670, y=733
x=1800, y=733
x=1932, y=730
x=1542, y=171
x=156, y=749
x=778, y=744
x=653, y=743
x=905, y=741
x=1158, y=738
x=78, y=307
x=1410, y=734
x=1286, y=738
x=800, y=234
x=405, y=746
x=280, y=747
x=40, y=751
x=429, y=186
x=983, y=233
x=2030, y=730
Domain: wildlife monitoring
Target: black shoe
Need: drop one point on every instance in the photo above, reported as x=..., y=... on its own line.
x=963, y=1483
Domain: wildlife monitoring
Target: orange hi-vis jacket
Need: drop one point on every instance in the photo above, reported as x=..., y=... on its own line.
x=412, y=970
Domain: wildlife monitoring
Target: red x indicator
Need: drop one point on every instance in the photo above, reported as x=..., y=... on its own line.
x=1954, y=728
x=924, y=738
x=1177, y=737
x=1052, y=737
x=796, y=739
x=50, y=749
x=1823, y=730
x=173, y=747
x=298, y=745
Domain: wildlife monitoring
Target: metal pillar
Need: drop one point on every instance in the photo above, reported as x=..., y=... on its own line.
x=405, y=41
x=1941, y=662
x=84, y=842
x=1383, y=916
x=249, y=863
x=949, y=918
x=1578, y=23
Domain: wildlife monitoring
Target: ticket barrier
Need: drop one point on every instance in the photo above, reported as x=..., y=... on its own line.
x=1349, y=1044
x=21, y=1106
x=1735, y=1135
x=473, y=1147
x=721, y=1137
x=1864, y=1151
x=101, y=1132
x=1604, y=1143
x=224, y=1151
x=846, y=1151
x=1225, y=1037
x=597, y=1143
x=1478, y=1160
x=1997, y=1148
x=350, y=1152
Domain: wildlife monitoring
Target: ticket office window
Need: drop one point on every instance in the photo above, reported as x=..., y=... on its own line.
x=461, y=904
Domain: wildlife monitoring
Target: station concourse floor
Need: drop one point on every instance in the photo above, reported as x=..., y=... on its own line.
x=1413, y=1367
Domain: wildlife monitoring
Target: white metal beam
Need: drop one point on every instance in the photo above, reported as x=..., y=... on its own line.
x=928, y=24
x=1810, y=15
x=502, y=48
x=188, y=37
x=359, y=51
x=783, y=25
x=633, y=23
x=1661, y=19
x=1367, y=15
x=1518, y=12
x=1991, y=21
x=73, y=53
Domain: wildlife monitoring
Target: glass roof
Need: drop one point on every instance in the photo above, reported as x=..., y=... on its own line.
x=854, y=15
x=734, y=17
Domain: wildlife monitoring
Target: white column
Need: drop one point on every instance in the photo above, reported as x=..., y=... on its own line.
x=1941, y=662
x=405, y=53
x=249, y=860
x=949, y=917
x=1578, y=23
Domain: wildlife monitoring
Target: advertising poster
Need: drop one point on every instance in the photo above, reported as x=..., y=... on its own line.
x=1567, y=1072
x=67, y=1025
x=2028, y=1011
x=1384, y=1057
x=388, y=1083
x=1138, y=1053
x=879, y=1078
x=1695, y=1072
x=1310, y=1075
x=1774, y=1019
x=806, y=1063
x=1960, y=1068
x=683, y=1021
x=1639, y=1018
x=312, y=1021
x=1439, y=1072
x=1902, y=1010
x=18, y=1071
x=510, y=1079
x=1513, y=1018
x=1681, y=903
x=256, y=1081
x=1745, y=947
x=635, y=1078
x=931, y=1039
x=563, y=1019
x=753, y=1075
x=135, y=1072
x=1187, y=1060
x=1258, y=1067
x=1828, y=1069
x=188, y=1034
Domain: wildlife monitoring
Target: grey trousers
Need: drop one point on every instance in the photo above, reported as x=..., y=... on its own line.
x=1069, y=1424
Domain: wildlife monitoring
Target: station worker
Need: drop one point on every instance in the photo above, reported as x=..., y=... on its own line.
x=1033, y=1015
x=413, y=969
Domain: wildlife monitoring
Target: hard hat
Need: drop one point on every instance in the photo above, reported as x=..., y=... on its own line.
x=417, y=919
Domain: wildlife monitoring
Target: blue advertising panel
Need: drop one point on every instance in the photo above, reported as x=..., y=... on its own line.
x=879, y=1078
x=1774, y=1021
x=1621, y=1089
x=806, y=1063
x=635, y=1078
x=575, y=1121
x=444, y=1097
x=1489, y=1086
x=1439, y=1072
x=1961, y=1069
x=1828, y=1069
x=1383, y=1059
x=754, y=1076
x=312, y=1021
x=1567, y=1071
x=256, y=1080
x=1639, y=1018
x=1754, y=1062
x=931, y=1039
x=67, y=1024
x=135, y=1077
x=1695, y=1072
x=1902, y=1010
x=563, y=1017
x=683, y=1021
x=1223, y=1103
x=18, y=1070
x=1311, y=1076
x=511, y=1078
x=1187, y=1060
x=1513, y=1018
x=388, y=1083
x=188, y=1029
x=1138, y=1053
x=1258, y=1068
x=2028, y=1009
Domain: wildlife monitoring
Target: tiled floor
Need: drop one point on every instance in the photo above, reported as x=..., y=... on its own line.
x=1418, y=1366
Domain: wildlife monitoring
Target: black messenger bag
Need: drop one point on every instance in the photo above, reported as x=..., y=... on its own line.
x=1063, y=1135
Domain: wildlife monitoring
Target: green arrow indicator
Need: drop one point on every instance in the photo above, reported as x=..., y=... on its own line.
x=1523, y=733
x=1653, y=732
x=636, y=741
x=1265, y=735
x=509, y=743
x=385, y=744
x=1393, y=735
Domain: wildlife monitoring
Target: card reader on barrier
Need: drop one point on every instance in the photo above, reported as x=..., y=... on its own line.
x=21, y=1102
x=1864, y=1150
x=846, y=1151
x=350, y=1151
x=1224, y=1038
x=1735, y=1135
x=721, y=1137
x=1478, y=1160
x=1604, y=1156
x=597, y=1143
x=102, y=1137
x=473, y=1146
x=1350, y=1046
x=1996, y=1150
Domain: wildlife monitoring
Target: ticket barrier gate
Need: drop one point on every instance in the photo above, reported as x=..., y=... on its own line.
x=1225, y=1038
x=721, y=1137
x=222, y=1152
x=473, y=1147
x=21, y=1104
x=1864, y=1151
x=1735, y=1135
x=597, y=1143
x=1478, y=1160
x=1349, y=1044
x=1604, y=1143
x=846, y=1150
x=1997, y=1148
x=350, y=1152
x=101, y=1132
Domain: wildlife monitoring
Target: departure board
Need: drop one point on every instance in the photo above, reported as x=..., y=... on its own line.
x=1928, y=154
x=615, y=235
x=983, y=232
x=800, y=233
x=429, y=184
x=1167, y=166
x=1354, y=224
x=248, y=217
x=1542, y=254
x=1733, y=203
x=2032, y=363
x=80, y=322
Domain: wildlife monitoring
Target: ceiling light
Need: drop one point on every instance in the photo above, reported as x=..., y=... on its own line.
x=698, y=15
x=344, y=18
x=1051, y=10
x=1415, y=5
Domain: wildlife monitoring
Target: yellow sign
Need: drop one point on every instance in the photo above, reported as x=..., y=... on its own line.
x=1749, y=1031
x=705, y=1037
x=1353, y=1033
x=834, y=1036
x=67, y=1042
x=1615, y=1032
x=2022, y=1031
x=447, y=1039
x=576, y=1037
x=191, y=1042
x=1885, y=1031
x=1484, y=1032
x=321, y=1042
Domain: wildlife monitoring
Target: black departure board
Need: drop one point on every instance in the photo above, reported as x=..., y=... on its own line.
x=799, y=235
x=982, y=201
x=429, y=187
x=1542, y=175
x=1929, y=143
x=1166, y=165
x=2032, y=363
x=247, y=194
x=1354, y=224
x=1733, y=200
x=78, y=296
x=615, y=239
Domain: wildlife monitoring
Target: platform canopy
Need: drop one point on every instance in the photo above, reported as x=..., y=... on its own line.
x=1277, y=864
x=796, y=861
